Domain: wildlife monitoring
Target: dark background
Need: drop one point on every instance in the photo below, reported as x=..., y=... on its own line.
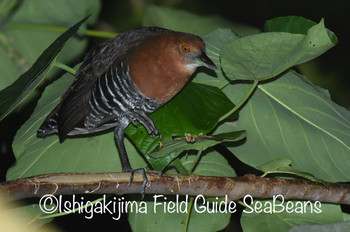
x=330, y=71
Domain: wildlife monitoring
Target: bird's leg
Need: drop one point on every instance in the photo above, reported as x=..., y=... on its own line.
x=119, y=139
x=148, y=123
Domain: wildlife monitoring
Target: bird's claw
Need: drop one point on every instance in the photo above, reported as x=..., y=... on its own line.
x=145, y=121
x=142, y=171
x=144, y=177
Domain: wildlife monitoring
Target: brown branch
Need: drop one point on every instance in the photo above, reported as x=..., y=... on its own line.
x=118, y=183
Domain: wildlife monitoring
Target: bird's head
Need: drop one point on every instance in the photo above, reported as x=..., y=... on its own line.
x=180, y=51
x=163, y=63
x=191, y=51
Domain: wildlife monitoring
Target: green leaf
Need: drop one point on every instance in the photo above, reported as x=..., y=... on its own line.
x=22, y=217
x=266, y=55
x=180, y=20
x=211, y=164
x=282, y=166
x=294, y=25
x=22, y=39
x=47, y=155
x=275, y=165
x=195, y=110
x=340, y=226
x=199, y=143
x=291, y=118
x=13, y=95
x=286, y=219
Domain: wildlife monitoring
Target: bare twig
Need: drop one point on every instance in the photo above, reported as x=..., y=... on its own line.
x=118, y=183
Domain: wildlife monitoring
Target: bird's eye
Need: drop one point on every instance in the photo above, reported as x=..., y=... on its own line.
x=185, y=48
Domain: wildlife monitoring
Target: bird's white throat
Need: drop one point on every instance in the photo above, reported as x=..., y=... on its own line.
x=192, y=67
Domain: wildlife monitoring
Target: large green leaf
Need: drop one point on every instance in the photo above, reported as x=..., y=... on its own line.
x=294, y=25
x=266, y=55
x=212, y=164
x=14, y=94
x=32, y=28
x=285, y=219
x=180, y=20
x=291, y=118
x=283, y=166
x=340, y=226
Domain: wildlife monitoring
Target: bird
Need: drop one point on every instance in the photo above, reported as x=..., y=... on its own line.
x=123, y=80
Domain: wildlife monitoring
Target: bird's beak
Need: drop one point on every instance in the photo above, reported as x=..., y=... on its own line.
x=204, y=60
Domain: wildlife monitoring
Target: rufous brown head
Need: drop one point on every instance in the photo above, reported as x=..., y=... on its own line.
x=162, y=64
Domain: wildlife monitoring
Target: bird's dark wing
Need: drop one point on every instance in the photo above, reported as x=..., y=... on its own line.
x=74, y=106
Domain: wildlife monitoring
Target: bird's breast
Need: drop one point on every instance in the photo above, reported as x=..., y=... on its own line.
x=159, y=78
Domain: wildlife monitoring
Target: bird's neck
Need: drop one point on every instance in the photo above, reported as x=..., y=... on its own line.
x=155, y=81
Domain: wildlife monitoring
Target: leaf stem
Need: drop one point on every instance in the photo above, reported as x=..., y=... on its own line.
x=100, y=34
x=198, y=156
x=87, y=32
x=179, y=166
x=294, y=173
x=244, y=100
x=189, y=214
x=64, y=67
x=6, y=7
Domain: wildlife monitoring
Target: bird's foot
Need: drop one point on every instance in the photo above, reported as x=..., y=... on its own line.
x=144, y=120
x=142, y=171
